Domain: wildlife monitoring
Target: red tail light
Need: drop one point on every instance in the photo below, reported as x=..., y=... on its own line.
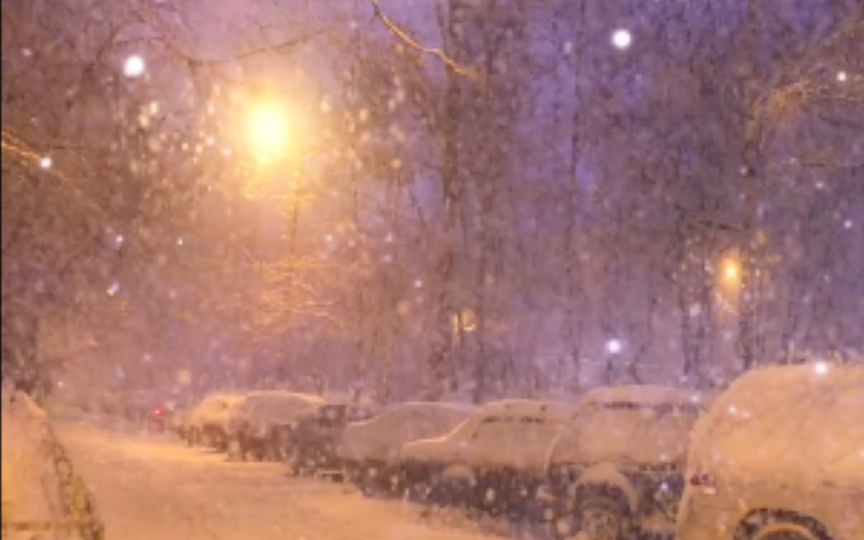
x=157, y=411
x=704, y=481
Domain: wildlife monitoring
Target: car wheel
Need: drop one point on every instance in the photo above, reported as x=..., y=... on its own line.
x=785, y=531
x=418, y=482
x=601, y=520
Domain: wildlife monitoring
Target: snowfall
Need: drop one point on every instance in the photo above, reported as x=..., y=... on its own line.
x=150, y=486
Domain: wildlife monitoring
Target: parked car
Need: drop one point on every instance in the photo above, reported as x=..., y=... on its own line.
x=313, y=443
x=370, y=449
x=617, y=469
x=494, y=460
x=206, y=423
x=780, y=456
x=262, y=424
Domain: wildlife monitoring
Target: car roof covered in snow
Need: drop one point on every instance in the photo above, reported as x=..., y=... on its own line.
x=262, y=394
x=382, y=437
x=801, y=423
x=554, y=410
x=630, y=424
x=420, y=407
x=647, y=395
x=225, y=395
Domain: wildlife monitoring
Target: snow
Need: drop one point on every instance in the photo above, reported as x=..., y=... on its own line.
x=508, y=433
x=148, y=487
x=789, y=438
x=381, y=438
x=630, y=424
x=30, y=489
x=646, y=395
x=213, y=408
x=799, y=424
x=263, y=408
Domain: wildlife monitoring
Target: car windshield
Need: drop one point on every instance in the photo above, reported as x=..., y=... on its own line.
x=428, y=269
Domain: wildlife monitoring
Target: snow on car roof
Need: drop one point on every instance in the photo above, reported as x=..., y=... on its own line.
x=555, y=410
x=382, y=437
x=225, y=396
x=639, y=434
x=420, y=407
x=310, y=398
x=798, y=423
x=646, y=395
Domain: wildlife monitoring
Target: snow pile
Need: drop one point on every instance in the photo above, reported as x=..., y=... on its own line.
x=31, y=491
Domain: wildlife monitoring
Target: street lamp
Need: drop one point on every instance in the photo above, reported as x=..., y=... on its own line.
x=622, y=39
x=134, y=66
x=268, y=131
x=731, y=271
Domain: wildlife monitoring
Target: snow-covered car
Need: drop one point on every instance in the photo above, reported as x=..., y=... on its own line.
x=780, y=455
x=494, y=460
x=314, y=442
x=370, y=449
x=206, y=423
x=617, y=469
x=262, y=424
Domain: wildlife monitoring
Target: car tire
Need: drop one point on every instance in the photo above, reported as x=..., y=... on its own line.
x=602, y=519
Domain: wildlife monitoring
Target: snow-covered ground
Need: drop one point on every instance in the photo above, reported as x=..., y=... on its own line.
x=151, y=486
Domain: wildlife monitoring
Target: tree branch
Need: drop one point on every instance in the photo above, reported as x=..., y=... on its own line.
x=406, y=38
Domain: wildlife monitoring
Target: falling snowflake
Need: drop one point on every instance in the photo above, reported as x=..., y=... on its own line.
x=113, y=289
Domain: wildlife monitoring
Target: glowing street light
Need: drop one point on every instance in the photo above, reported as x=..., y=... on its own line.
x=134, y=66
x=622, y=39
x=613, y=346
x=731, y=271
x=268, y=131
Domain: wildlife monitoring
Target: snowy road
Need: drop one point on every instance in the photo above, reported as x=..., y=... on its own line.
x=148, y=487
